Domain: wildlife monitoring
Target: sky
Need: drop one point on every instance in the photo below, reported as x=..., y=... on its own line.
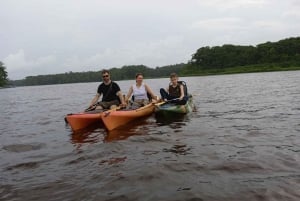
x=39, y=37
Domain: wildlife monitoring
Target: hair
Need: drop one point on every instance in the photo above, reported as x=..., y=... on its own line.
x=138, y=74
x=105, y=71
x=172, y=75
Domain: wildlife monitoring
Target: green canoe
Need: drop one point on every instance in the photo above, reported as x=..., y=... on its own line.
x=166, y=107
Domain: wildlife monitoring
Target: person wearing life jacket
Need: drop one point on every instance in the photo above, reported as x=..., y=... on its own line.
x=175, y=93
x=140, y=92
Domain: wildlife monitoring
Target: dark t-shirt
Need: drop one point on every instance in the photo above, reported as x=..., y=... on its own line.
x=174, y=91
x=109, y=92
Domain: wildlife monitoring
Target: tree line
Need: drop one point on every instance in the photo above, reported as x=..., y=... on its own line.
x=284, y=54
x=124, y=73
x=3, y=75
x=269, y=56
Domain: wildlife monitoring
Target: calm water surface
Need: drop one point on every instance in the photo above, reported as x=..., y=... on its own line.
x=242, y=143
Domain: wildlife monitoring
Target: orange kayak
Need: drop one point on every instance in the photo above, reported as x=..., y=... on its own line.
x=117, y=118
x=82, y=120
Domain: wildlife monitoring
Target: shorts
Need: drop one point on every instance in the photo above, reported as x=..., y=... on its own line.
x=107, y=104
x=140, y=103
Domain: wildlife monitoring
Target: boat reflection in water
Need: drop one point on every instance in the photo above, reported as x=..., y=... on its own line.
x=137, y=127
x=90, y=135
x=97, y=132
x=170, y=118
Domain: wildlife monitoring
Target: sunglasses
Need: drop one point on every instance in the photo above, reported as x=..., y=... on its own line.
x=105, y=76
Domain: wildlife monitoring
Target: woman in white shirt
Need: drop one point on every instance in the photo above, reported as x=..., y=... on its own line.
x=140, y=92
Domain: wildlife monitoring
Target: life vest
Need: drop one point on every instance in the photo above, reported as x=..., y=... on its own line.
x=175, y=91
x=184, y=87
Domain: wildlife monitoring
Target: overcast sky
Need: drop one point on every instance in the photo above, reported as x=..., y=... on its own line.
x=56, y=36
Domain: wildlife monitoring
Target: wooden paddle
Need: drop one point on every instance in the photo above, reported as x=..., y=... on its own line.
x=160, y=103
x=107, y=112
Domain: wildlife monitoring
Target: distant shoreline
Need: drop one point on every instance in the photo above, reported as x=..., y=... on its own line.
x=238, y=70
x=207, y=73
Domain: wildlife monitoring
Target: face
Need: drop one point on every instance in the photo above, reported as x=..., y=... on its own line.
x=174, y=80
x=139, y=79
x=105, y=76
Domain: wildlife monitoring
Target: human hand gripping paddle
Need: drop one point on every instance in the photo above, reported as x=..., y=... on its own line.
x=91, y=107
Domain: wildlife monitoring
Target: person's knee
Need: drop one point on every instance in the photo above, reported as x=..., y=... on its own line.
x=112, y=107
x=99, y=107
x=180, y=102
x=163, y=93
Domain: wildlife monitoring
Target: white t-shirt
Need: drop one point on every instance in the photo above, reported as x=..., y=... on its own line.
x=139, y=93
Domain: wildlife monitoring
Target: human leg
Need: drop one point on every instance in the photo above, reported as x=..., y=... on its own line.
x=164, y=94
x=113, y=107
x=108, y=104
x=181, y=102
x=99, y=107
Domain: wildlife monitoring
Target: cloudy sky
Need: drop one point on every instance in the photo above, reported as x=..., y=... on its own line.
x=56, y=36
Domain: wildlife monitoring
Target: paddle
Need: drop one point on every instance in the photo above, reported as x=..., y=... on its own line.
x=167, y=101
x=92, y=107
x=160, y=103
x=107, y=112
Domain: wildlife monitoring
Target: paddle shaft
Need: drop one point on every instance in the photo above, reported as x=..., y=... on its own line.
x=164, y=102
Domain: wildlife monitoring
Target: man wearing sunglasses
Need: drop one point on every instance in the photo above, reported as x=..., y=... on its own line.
x=111, y=94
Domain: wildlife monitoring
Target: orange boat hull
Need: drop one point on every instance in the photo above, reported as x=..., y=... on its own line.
x=114, y=119
x=82, y=120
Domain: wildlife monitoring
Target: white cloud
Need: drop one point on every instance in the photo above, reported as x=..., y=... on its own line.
x=54, y=36
x=152, y=54
x=231, y=4
x=217, y=24
x=18, y=62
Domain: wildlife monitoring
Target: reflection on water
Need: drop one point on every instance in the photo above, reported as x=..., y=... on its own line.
x=121, y=134
x=169, y=118
x=133, y=128
x=90, y=135
x=97, y=132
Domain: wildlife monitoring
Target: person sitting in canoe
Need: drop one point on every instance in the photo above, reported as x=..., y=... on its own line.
x=141, y=93
x=175, y=93
x=111, y=94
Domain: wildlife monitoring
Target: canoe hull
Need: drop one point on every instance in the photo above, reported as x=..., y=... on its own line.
x=80, y=121
x=115, y=119
x=171, y=108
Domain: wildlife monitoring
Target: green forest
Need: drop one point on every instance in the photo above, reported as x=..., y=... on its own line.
x=270, y=56
x=124, y=73
x=276, y=56
x=3, y=75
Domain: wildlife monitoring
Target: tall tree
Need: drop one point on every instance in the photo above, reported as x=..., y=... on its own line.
x=3, y=75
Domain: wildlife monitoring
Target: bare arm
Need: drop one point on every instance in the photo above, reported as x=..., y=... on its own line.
x=130, y=91
x=95, y=99
x=181, y=92
x=148, y=89
x=120, y=95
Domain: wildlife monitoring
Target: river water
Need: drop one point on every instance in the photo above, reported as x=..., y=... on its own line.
x=241, y=143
